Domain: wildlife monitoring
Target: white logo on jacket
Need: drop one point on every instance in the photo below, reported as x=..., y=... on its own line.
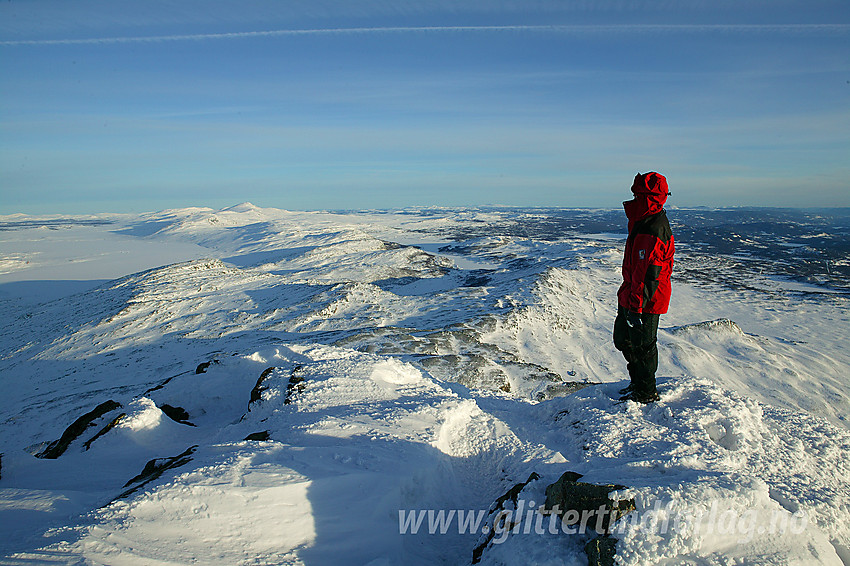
x=642, y=254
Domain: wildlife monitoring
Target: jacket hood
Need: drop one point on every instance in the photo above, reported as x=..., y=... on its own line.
x=652, y=183
x=650, y=190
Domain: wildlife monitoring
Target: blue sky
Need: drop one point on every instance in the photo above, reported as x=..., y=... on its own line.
x=328, y=104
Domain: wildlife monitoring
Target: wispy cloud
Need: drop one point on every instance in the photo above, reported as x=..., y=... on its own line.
x=590, y=29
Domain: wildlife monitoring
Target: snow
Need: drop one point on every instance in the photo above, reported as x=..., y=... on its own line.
x=82, y=253
x=394, y=371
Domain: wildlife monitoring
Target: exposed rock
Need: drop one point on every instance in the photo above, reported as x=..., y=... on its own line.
x=257, y=391
x=58, y=447
x=87, y=444
x=474, y=280
x=566, y=477
x=164, y=383
x=258, y=436
x=176, y=414
x=296, y=385
x=584, y=502
x=561, y=389
x=498, y=522
x=155, y=468
x=472, y=370
x=456, y=354
x=202, y=367
x=600, y=551
x=513, y=493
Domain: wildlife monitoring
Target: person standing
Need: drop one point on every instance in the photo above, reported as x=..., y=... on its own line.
x=645, y=293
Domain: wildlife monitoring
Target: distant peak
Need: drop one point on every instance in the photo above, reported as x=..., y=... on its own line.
x=243, y=207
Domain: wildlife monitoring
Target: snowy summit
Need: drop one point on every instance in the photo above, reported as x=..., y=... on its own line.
x=257, y=386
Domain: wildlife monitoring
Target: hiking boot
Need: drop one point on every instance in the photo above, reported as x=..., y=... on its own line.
x=646, y=399
x=643, y=399
x=626, y=390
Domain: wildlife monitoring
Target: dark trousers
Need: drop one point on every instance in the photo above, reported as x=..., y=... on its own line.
x=638, y=345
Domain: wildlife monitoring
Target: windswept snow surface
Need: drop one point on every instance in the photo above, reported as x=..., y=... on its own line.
x=360, y=388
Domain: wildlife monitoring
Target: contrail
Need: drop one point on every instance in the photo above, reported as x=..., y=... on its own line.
x=558, y=29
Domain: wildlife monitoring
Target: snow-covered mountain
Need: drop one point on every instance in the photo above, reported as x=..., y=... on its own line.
x=260, y=386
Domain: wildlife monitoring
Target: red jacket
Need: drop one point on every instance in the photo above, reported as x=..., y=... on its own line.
x=648, y=259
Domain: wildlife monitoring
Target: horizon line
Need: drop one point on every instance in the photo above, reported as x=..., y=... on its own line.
x=58, y=216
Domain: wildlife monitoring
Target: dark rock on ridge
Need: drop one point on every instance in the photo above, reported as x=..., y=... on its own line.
x=87, y=444
x=176, y=414
x=155, y=468
x=496, y=524
x=600, y=551
x=295, y=385
x=257, y=391
x=572, y=499
x=77, y=428
x=258, y=436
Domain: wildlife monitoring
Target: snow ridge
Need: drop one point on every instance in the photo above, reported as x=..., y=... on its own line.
x=314, y=384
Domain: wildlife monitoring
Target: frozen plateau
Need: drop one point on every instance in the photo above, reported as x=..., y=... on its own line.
x=254, y=386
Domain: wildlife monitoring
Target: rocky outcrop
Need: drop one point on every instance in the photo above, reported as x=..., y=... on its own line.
x=561, y=389
x=201, y=368
x=155, y=468
x=513, y=493
x=258, y=436
x=87, y=444
x=498, y=520
x=600, y=551
x=585, y=510
x=76, y=429
x=163, y=384
x=176, y=414
x=257, y=391
x=585, y=503
x=587, y=506
x=294, y=386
